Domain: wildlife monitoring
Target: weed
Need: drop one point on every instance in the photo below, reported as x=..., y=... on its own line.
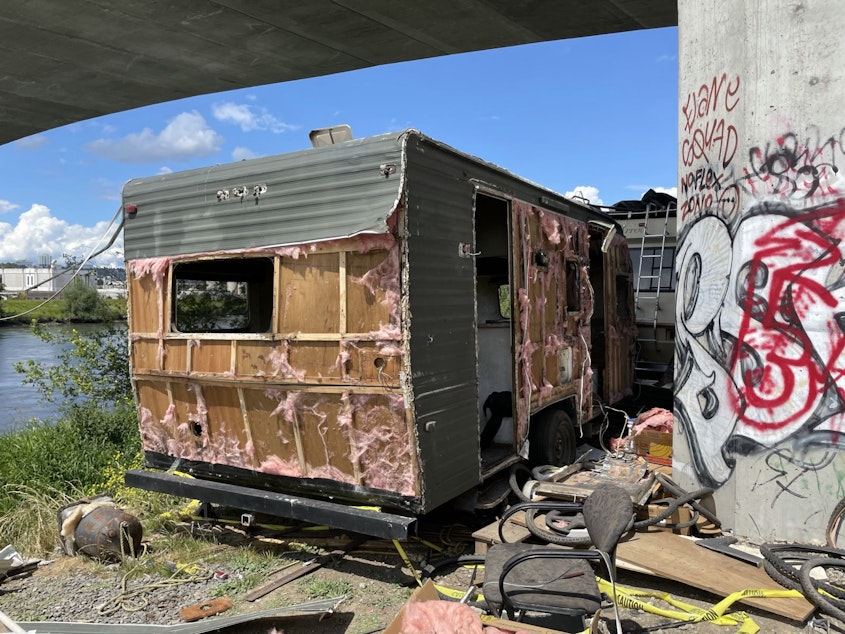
x=366, y=623
x=30, y=522
x=320, y=588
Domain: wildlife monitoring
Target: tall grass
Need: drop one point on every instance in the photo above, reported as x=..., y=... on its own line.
x=46, y=465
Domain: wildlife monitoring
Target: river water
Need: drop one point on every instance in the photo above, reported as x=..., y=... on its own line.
x=18, y=402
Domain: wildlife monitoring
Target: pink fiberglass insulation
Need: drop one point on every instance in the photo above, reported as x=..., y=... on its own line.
x=279, y=362
x=385, y=278
x=277, y=466
x=550, y=225
x=157, y=267
x=440, y=617
x=656, y=419
x=156, y=434
x=380, y=442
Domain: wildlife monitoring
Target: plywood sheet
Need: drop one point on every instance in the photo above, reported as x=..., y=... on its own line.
x=309, y=300
x=145, y=355
x=273, y=438
x=680, y=559
x=176, y=355
x=366, y=302
x=144, y=303
x=212, y=356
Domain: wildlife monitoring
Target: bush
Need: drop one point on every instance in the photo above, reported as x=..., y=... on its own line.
x=71, y=455
x=92, y=367
x=84, y=303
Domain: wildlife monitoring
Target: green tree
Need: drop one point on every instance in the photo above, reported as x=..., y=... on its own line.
x=84, y=303
x=92, y=367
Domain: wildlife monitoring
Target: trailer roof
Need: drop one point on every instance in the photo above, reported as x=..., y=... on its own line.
x=313, y=195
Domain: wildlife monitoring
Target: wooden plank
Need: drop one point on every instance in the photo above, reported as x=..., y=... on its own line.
x=514, y=531
x=680, y=559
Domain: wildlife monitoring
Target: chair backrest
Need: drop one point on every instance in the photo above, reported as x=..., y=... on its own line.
x=608, y=512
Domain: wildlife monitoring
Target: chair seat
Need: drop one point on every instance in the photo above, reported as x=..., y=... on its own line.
x=538, y=584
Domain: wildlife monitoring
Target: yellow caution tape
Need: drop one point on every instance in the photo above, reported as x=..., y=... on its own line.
x=627, y=597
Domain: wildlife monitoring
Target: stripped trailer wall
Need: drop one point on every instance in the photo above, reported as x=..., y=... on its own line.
x=760, y=369
x=356, y=375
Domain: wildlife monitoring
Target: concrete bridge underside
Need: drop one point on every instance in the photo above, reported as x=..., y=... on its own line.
x=69, y=60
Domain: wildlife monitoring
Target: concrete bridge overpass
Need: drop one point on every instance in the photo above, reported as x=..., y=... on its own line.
x=63, y=61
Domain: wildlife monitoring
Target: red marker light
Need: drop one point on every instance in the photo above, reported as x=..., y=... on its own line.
x=130, y=209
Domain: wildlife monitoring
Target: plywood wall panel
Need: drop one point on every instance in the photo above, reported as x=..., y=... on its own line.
x=273, y=439
x=145, y=355
x=367, y=307
x=144, y=304
x=212, y=356
x=318, y=360
x=176, y=355
x=309, y=298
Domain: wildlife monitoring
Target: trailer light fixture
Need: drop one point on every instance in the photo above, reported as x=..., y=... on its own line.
x=130, y=209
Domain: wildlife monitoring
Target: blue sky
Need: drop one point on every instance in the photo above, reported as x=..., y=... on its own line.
x=596, y=115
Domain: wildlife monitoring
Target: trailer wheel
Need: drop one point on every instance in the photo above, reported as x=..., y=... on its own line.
x=552, y=439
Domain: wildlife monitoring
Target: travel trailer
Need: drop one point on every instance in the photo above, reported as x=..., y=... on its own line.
x=650, y=226
x=385, y=322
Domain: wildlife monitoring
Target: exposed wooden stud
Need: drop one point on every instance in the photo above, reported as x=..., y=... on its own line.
x=277, y=293
x=189, y=355
x=247, y=427
x=342, y=292
x=300, y=450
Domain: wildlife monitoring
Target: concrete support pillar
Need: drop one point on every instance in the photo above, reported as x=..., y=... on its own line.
x=760, y=349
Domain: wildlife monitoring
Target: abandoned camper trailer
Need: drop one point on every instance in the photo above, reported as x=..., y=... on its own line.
x=650, y=226
x=335, y=327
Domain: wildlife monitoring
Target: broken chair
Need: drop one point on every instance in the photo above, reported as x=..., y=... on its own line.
x=522, y=578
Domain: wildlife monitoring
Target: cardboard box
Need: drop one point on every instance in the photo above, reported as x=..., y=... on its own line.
x=655, y=446
x=428, y=593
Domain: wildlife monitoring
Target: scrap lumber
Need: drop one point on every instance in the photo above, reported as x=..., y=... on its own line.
x=303, y=570
x=199, y=611
x=674, y=557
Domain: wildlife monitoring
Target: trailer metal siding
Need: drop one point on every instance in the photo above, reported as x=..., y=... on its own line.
x=442, y=326
x=312, y=195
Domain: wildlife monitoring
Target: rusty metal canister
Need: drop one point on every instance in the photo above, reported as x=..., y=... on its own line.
x=108, y=533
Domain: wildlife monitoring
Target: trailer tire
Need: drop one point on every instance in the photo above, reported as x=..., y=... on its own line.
x=552, y=439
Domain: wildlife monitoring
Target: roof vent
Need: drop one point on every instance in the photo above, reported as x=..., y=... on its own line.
x=330, y=136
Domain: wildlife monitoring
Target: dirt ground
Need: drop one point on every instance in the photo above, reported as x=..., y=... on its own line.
x=375, y=581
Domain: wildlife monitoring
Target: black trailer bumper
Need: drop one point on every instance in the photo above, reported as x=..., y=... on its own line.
x=320, y=512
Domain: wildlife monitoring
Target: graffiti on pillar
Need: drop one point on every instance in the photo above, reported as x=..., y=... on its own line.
x=761, y=333
x=760, y=348
x=708, y=148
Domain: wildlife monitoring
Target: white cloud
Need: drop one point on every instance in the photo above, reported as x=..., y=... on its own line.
x=185, y=137
x=164, y=170
x=585, y=191
x=34, y=142
x=250, y=118
x=6, y=206
x=38, y=232
x=242, y=153
x=672, y=191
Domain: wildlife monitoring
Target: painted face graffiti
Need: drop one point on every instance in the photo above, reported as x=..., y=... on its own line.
x=762, y=332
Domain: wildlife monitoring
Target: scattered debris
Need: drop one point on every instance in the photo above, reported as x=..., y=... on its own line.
x=98, y=528
x=305, y=569
x=12, y=563
x=208, y=608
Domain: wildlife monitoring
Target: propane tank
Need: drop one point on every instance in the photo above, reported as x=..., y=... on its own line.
x=108, y=533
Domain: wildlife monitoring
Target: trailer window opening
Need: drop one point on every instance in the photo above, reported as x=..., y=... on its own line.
x=225, y=295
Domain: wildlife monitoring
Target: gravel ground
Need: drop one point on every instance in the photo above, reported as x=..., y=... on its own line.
x=375, y=580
